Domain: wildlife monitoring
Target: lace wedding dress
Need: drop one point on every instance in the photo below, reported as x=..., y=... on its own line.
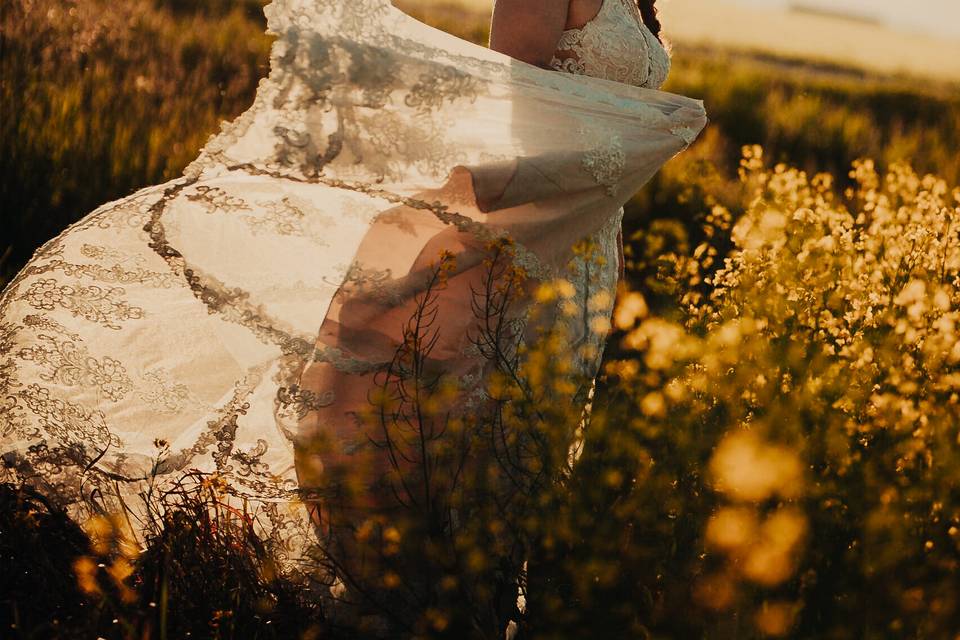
x=615, y=45
x=221, y=320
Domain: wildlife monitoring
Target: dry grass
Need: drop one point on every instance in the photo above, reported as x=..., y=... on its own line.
x=814, y=38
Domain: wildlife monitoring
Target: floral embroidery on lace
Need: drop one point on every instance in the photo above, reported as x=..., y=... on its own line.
x=69, y=423
x=448, y=83
x=99, y=252
x=376, y=283
x=606, y=163
x=67, y=363
x=45, y=323
x=162, y=391
x=288, y=218
x=215, y=198
x=282, y=218
x=92, y=303
x=113, y=274
x=298, y=402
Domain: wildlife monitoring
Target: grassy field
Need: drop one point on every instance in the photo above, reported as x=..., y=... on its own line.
x=102, y=98
x=813, y=36
x=774, y=450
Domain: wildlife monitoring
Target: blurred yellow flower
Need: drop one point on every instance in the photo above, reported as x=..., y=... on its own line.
x=391, y=534
x=732, y=528
x=785, y=528
x=748, y=469
x=630, y=308
x=391, y=580
x=664, y=343
x=565, y=289
x=600, y=301
x=653, y=405
x=715, y=592
x=109, y=533
x=771, y=559
x=775, y=618
x=767, y=565
x=85, y=569
x=600, y=325
x=545, y=293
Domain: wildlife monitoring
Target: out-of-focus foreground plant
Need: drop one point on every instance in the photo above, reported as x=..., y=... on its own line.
x=199, y=572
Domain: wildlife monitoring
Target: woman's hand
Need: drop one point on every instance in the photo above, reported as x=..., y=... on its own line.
x=528, y=30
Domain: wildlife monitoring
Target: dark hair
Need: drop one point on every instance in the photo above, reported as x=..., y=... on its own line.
x=649, y=12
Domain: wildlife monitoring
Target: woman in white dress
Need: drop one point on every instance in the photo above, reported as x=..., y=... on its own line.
x=230, y=320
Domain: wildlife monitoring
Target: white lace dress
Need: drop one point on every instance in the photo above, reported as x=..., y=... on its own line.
x=214, y=322
x=615, y=45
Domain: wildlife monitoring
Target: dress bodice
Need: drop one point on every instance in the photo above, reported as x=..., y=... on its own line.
x=615, y=45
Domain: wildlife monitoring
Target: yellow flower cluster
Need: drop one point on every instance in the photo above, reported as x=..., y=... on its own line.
x=817, y=368
x=115, y=549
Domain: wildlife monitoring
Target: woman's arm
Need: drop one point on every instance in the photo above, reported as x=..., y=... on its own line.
x=528, y=30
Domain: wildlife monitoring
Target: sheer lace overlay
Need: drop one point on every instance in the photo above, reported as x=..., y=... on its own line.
x=220, y=321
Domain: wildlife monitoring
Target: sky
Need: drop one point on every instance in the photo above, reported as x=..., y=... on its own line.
x=936, y=17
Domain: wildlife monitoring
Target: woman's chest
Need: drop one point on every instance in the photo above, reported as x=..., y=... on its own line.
x=614, y=45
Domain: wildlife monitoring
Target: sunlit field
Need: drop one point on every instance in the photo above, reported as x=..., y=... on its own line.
x=813, y=37
x=774, y=450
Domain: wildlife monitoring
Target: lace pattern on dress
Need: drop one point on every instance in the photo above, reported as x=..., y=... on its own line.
x=616, y=45
x=605, y=163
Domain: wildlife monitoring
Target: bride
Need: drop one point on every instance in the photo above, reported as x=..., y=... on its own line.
x=240, y=320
